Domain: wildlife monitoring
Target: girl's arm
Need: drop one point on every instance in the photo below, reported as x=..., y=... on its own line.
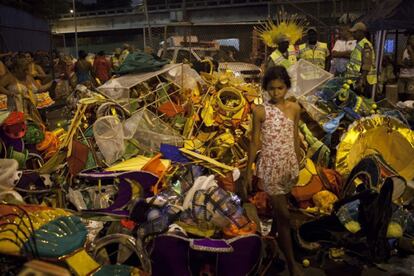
x=296, y=131
x=258, y=117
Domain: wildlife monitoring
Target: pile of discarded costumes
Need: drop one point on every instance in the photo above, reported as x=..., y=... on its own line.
x=146, y=178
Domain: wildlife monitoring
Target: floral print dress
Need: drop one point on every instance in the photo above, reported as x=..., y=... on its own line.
x=277, y=167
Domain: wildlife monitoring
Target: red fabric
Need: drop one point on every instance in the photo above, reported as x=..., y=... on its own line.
x=170, y=109
x=334, y=179
x=14, y=118
x=102, y=67
x=227, y=183
x=261, y=201
x=14, y=126
x=79, y=157
x=128, y=224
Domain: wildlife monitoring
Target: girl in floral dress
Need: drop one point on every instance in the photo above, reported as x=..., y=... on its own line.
x=275, y=132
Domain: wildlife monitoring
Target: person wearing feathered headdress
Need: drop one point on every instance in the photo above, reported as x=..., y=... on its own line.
x=281, y=55
x=282, y=36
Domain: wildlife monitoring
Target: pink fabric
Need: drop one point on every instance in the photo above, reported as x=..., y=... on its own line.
x=278, y=166
x=102, y=68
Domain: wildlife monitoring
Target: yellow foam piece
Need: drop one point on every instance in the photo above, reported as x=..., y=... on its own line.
x=135, y=163
x=207, y=159
x=82, y=263
x=306, y=173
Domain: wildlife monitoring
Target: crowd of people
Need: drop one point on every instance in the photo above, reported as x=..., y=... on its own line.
x=23, y=74
x=352, y=56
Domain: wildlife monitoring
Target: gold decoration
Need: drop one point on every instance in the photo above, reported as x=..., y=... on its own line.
x=290, y=25
x=377, y=134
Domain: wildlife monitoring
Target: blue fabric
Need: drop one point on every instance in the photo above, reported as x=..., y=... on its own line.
x=333, y=124
x=173, y=153
x=349, y=212
x=83, y=76
x=351, y=113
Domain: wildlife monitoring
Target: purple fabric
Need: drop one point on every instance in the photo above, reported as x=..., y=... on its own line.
x=170, y=256
x=32, y=148
x=245, y=258
x=124, y=195
x=146, y=179
x=17, y=144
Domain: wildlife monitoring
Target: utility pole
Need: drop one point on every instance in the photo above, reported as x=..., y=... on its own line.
x=76, y=27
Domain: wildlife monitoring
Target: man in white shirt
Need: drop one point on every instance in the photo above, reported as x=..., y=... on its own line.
x=406, y=81
x=341, y=51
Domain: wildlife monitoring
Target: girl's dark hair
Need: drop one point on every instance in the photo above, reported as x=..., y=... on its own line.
x=82, y=54
x=276, y=73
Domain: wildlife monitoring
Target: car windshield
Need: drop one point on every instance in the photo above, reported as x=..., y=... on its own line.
x=203, y=53
x=218, y=55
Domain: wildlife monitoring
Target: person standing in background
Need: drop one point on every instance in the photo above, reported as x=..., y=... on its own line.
x=125, y=52
x=314, y=51
x=35, y=70
x=386, y=75
x=361, y=66
x=101, y=67
x=83, y=68
x=281, y=56
x=116, y=59
x=406, y=81
x=341, y=51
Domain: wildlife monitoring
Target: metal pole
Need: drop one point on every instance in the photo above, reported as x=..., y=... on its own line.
x=165, y=46
x=76, y=27
x=51, y=64
x=64, y=43
x=148, y=23
x=144, y=34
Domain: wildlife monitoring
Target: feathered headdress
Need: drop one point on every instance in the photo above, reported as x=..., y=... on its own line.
x=289, y=25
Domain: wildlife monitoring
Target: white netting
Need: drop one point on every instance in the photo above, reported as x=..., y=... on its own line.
x=109, y=136
x=150, y=131
x=306, y=77
x=8, y=174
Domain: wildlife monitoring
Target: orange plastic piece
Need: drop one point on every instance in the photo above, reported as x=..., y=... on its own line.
x=234, y=231
x=170, y=109
x=155, y=166
x=49, y=141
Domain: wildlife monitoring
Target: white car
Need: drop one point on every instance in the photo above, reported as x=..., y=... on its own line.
x=250, y=72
